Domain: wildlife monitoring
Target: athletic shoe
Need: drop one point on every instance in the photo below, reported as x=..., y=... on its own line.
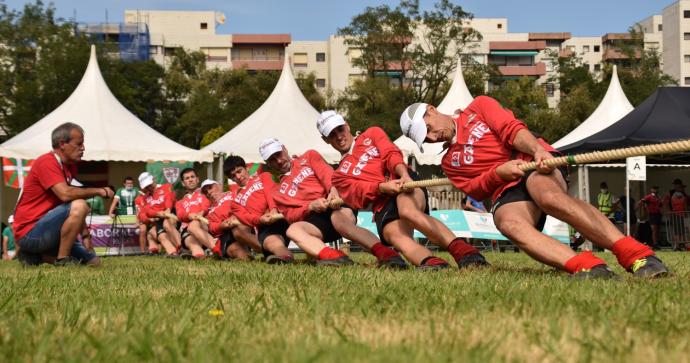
x=279, y=260
x=185, y=254
x=433, y=264
x=649, y=267
x=472, y=260
x=340, y=261
x=602, y=272
x=394, y=262
x=173, y=256
x=67, y=261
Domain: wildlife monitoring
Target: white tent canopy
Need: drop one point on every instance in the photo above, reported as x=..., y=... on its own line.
x=611, y=109
x=458, y=97
x=287, y=116
x=111, y=132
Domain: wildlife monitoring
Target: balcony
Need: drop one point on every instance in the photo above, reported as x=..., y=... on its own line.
x=536, y=70
x=613, y=54
x=258, y=65
x=534, y=45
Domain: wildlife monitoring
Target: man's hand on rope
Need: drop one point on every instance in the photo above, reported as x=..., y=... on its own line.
x=539, y=158
x=509, y=170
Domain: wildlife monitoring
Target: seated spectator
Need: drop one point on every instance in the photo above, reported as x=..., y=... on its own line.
x=8, y=249
x=123, y=202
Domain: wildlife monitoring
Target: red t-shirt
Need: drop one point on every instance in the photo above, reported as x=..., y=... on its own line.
x=357, y=177
x=653, y=203
x=309, y=179
x=162, y=198
x=255, y=199
x=140, y=203
x=191, y=203
x=484, y=140
x=37, y=197
x=219, y=211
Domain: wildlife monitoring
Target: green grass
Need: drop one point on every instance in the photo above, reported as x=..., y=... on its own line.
x=155, y=309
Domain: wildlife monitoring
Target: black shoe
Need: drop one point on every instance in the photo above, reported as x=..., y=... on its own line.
x=173, y=256
x=185, y=254
x=602, y=272
x=340, y=261
x=29, y=259
x=649, y=267
x=279, y=260
x=67, y=261
x=394, y=262
x=472, y=260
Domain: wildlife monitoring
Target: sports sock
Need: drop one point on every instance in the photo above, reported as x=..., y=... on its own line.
x=459, y=249
x=382, y=252
x=216, y=249
x=628, y=250
x=433, y=261
x=328, y=253
x=582, y=261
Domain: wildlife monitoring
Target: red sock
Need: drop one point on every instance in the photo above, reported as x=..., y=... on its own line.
x=628, y=250
x=216, y=249
x=582, y=261
x=154, y=250
x=459, y=249
x=433, y=261
x=382, y=252
x=328, y=253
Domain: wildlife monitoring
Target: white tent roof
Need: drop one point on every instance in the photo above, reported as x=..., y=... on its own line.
x=458, y=97
x=611, y=109
x=111, y=132
x=287, y=116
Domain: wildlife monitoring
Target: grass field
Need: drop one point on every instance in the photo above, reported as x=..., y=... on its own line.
x=155, y=309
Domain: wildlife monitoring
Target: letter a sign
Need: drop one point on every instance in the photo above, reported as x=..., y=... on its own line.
x=636, y=168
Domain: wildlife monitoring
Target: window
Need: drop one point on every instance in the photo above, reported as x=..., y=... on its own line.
x=686, y=14
x=203, y=26
x=499, y=26
x=550, y=89
x=660, y=27
x=686, y=36
x=687, y=58
x=320, y=57
x=320, y=82
x=570, y=47
x=299, y=59
x=153, y=49
x=687, y=81
x=597, y=49
x=585, y=49
x=597, y=67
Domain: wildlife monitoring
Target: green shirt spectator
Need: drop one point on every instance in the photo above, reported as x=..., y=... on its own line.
x=125, y=201
x=8, y=240
x=97, y=205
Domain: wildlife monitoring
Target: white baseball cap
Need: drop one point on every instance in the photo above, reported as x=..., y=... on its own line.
x=328, y=121
x=208, y=182
x=10, y=219
x=412, y=123
x=269, y=147
x=145, y=179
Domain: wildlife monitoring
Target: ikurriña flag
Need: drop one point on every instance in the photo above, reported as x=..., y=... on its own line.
x=14, y=171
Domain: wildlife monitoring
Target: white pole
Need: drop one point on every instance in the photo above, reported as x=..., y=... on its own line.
x=627, y=203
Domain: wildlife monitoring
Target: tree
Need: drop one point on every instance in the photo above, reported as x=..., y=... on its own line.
x=522, y=96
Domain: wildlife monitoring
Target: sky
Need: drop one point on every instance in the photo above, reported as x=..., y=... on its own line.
x=317, y=19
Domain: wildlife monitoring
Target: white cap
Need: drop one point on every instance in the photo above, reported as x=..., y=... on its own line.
x=269, y=147
x=328, y=121
x=145, y=179
x=208, y=182
x=10, y=219
x=412, y=123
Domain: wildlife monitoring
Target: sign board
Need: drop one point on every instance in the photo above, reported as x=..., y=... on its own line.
x=636, y=168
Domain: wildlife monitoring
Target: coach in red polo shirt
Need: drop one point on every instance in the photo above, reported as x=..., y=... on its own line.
x=50, y=212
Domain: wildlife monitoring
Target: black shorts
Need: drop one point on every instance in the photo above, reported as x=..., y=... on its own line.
x=389, y=212
x=322, y=221
x=184, y=234
x=654, y=219
x=519, y=193
x=276, y=228
x=226, y=239
x=159, y=226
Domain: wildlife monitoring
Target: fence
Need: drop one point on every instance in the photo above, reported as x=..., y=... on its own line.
x=445, y=200
x=677, y=229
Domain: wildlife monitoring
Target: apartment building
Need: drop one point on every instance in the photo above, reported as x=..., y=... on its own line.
x=675, y=44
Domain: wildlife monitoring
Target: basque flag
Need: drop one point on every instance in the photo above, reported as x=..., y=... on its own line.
x=14, y=171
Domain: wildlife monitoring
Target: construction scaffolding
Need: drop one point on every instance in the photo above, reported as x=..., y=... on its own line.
x=130, y=41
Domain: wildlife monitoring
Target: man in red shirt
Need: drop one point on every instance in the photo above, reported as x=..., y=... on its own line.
x=486, y=143
x=159, y=200
x=231, y=240
x=305, y=195
x=51, y=212
x=371, y=173
x=653, y=204
x=189, y=210
x=253, y=207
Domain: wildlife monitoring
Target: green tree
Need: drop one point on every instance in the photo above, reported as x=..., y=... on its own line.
x=522, y=96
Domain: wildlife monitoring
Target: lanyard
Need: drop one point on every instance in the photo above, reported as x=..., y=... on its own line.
x=68, y=179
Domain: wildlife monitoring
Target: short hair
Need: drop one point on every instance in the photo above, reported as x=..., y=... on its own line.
x=603, y=185
x=128, y=178
x=232, y=162
x=63, y=133
x=186, y=171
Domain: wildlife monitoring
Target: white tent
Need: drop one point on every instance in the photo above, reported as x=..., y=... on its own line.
x=287, y=116
x=611, y=109
x=458, y=97
x=111, y=131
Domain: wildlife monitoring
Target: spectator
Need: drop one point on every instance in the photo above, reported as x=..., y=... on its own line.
x=676, y=201
x=621, y=203
x=123, y=202
x=653, y=206
x=474, y=205
x=605, y=202
x=96, y=204
x=8, y=250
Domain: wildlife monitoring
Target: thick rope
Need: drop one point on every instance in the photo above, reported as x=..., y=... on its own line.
x=585, y=158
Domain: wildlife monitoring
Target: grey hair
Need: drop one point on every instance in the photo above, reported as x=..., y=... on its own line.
x=63, y=133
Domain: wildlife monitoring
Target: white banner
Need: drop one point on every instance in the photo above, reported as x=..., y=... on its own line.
x=636, y=167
